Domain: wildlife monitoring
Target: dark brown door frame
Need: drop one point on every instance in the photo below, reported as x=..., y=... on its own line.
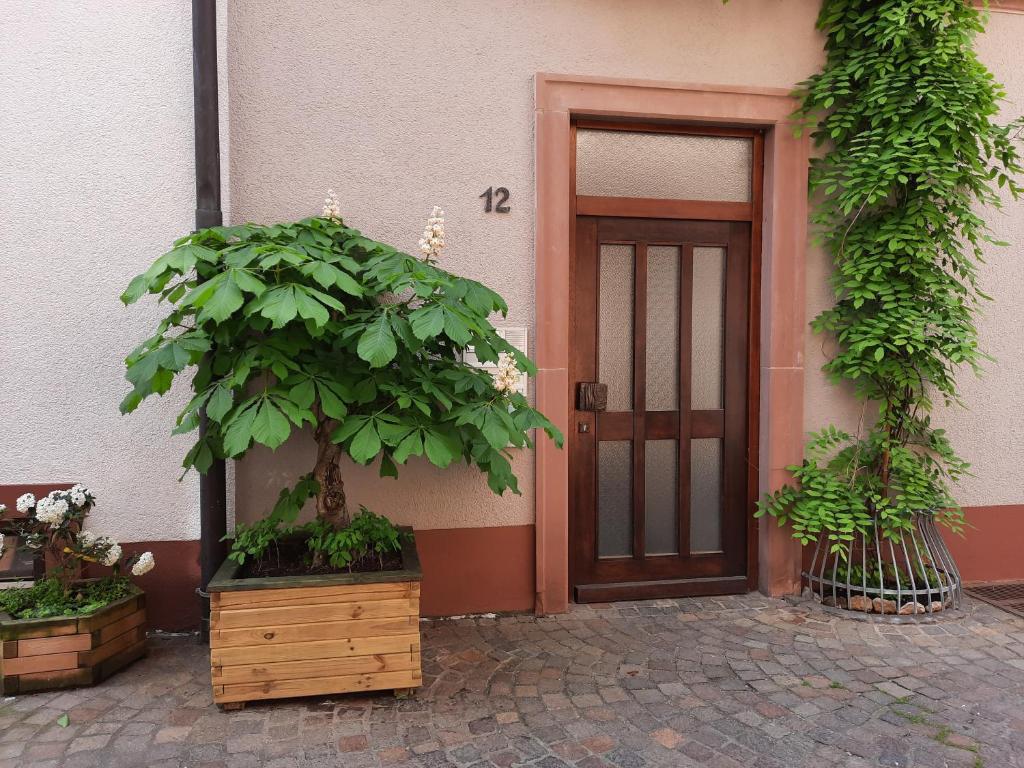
x=691, y=210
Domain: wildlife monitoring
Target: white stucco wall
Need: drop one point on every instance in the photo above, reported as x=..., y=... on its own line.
x=97, y=157
x=990, y=431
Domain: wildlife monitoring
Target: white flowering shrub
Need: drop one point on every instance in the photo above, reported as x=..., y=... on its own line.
x=53, y=526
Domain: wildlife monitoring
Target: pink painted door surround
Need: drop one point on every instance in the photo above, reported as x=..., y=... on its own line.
x=560, y=98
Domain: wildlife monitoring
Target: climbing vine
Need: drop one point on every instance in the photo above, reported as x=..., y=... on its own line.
x=914, y=155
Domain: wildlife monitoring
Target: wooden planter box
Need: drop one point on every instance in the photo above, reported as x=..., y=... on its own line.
x=68, y=651
x=279, y=637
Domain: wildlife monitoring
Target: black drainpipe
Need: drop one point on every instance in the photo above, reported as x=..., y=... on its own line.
x=213, y=485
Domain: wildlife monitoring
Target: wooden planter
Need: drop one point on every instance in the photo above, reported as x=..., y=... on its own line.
x=279, y=637
x=69, y=651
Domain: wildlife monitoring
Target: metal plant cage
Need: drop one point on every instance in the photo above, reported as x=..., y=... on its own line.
x=911, y=575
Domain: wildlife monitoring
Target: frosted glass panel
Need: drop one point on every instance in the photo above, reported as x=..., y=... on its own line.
x=615, y=325
x=708, y=328
x=663, y=328
x=615, y=498
x=661, y=478
x=664, y=165
x=706, y=495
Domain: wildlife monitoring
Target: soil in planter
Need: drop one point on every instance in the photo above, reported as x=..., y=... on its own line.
x=293, y=558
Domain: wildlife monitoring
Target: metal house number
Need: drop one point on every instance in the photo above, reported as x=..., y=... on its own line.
x=496, y=200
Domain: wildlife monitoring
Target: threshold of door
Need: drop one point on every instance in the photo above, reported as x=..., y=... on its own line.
x=648, y=590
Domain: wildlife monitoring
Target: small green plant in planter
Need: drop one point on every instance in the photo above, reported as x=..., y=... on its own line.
x=908, y=115
x=311, y=324
x=101, y=619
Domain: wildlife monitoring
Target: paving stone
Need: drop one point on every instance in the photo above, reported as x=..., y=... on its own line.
x=720, y=682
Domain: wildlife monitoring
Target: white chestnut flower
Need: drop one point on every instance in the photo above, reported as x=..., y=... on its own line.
x=25, y=502
x=506, y=378
x=113, y=555
x=1, y=540
x=86, y=539
x=332, y=207
x=144, y=564
x=3, y=509
x=433, y=235
x=77, y=497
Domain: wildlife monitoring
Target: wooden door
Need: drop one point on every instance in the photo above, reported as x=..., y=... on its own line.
x=658, y=463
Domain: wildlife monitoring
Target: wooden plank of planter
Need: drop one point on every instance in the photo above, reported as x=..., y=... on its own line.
x=326, y=630
x=322, y=649
x=24, y=629
x=110, y=631
x=289, y=670
x=291, y=596
x=111, y=647
x=59, y=644
x=49, y=662
x=41, y=681
x=107, y=667
x=305, y=613
x=316, y=686
x=10, y=649
x=115, y=612
x=282, y=599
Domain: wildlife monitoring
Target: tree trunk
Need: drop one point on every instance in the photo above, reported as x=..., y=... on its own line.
x=330, y=500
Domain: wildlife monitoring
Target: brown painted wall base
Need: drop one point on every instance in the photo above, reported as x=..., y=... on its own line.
x=465, y=570
x=477, y=570
x=172, y=603
x=990, y=547
x=988, y=550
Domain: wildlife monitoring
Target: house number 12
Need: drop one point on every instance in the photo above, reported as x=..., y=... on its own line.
x=495, y=200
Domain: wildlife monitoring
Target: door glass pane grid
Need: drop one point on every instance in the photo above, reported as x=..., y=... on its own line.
x=705, y=495
x=662, y=364
x=708, y=334
x=615, y=324
x=661, y=497
x=615, y=498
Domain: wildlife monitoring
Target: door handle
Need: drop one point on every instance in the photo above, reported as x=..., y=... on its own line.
x=591, y=396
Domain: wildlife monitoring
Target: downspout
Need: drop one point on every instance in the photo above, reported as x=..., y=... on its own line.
x=213, y=484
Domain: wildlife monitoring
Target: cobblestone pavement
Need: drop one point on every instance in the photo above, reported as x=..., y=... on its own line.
x=742, y=681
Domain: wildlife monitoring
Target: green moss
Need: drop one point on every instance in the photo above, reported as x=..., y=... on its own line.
x=47, y=599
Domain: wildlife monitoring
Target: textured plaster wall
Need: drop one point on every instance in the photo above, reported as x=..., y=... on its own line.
x=990, y=433
x=399, y=106
x=97, y=158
